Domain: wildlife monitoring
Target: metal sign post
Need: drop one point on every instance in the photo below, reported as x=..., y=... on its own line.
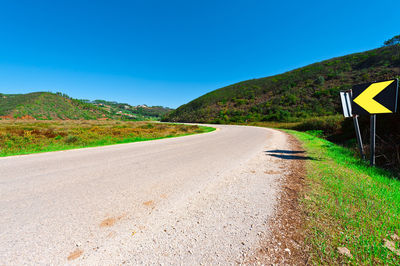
x=372, y=142
x=358, y=134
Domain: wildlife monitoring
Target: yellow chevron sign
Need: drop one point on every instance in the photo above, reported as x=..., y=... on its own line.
x=375, y=98
x=366, y=98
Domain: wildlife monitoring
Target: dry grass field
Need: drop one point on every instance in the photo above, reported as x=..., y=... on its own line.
x=24, y=137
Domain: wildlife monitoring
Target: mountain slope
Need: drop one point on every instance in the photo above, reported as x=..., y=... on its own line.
x=305, y=92
x=46, y=105
x=140, y=112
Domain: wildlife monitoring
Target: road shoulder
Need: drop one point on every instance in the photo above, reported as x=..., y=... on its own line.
x=286, y=242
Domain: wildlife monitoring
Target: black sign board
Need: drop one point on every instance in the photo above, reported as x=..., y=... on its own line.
x=375, y=98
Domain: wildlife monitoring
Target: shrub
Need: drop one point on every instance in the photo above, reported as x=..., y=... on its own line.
x=71, y=139
x=147, y=126
x=320, y=80
x=327, y=124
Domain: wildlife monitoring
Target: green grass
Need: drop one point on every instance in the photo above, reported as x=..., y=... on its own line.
x=348, y=204
x=25, y=137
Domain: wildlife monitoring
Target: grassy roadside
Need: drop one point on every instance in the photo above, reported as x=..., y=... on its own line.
x=25, y=137
x=348, y=204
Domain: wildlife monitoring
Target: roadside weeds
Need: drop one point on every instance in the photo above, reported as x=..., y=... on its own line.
x=334, y=209
x=26, y=137
x=352, y=210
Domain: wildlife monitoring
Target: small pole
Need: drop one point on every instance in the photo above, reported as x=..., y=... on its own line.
x=358, y=134
x=372, y=142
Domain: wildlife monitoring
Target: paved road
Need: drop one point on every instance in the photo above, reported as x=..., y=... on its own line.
x=197, y=199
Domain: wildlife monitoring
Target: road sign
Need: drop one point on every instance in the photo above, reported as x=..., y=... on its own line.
x=345, y=97
x=375, y=98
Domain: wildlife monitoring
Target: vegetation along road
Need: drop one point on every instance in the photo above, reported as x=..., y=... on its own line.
x=204, y=198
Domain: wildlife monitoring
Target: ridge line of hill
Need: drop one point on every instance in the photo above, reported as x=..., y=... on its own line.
x=50, y=106
x=294, y=95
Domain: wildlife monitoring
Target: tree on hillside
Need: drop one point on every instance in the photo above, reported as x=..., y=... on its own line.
x=394, y=41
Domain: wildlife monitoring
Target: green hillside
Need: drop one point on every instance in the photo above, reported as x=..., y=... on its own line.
x=46, y=105
x=295, y=95
x=140, y=112
x=50, y=106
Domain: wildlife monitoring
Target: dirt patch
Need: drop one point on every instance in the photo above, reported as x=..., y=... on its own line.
x=8, y=117
x=142, y=227
x=110, y=221
x=149, y=203
x=75, y=254
x=26, y=117
x=286, y=243
x=272, y=172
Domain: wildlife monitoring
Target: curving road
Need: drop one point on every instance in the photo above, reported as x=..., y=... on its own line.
x=196, y=199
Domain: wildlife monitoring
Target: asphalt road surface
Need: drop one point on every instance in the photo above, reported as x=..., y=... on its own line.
x=196, y=199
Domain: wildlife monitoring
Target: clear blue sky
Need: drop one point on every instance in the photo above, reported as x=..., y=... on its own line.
x=170, y=52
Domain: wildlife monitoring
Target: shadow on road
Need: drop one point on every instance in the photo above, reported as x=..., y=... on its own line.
x=285, y=151
x=288, y=155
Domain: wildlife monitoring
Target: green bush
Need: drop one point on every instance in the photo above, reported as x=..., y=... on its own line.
x=328, y=125
x=70, y=139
